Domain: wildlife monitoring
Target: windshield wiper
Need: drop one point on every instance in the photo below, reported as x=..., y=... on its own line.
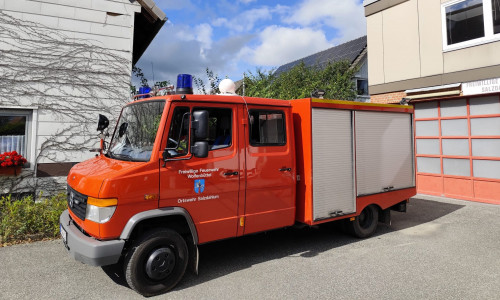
x=120, y=156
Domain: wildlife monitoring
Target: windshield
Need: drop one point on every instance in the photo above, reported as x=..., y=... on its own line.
x=136, y=131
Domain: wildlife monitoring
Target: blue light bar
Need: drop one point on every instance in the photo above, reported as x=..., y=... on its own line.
x=144, y=90
x=184, y=84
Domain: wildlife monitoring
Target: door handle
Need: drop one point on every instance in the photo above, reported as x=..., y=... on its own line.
x=231, y=173
x=285, y=169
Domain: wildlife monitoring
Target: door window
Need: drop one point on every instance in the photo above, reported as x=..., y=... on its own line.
x=178, y=135
x=219, y=134
x=220, y=125
x=267, y=128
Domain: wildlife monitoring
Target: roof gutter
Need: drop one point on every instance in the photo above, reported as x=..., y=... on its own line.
x=153, y=10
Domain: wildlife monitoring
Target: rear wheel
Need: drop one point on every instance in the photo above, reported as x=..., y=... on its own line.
x=365, y=224
x=156, y=262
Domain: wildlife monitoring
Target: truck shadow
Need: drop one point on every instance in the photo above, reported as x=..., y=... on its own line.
x=224, y=257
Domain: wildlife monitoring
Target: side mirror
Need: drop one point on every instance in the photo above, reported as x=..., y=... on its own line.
x=200, y=149
x=103, y=123
x=199, y=124
x=122, y=129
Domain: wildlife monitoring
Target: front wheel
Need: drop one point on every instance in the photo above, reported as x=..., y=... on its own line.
x=365, y=224
x=156, y=262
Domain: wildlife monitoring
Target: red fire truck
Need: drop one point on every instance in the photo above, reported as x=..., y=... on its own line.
x=183, y=170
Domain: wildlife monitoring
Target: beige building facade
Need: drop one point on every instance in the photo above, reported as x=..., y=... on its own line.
x=442, y=56
x=408, y=46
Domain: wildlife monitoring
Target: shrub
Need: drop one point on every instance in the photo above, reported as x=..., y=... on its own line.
x=29, y=220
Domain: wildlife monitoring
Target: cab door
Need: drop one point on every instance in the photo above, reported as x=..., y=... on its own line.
x=206, y=187
x=270, y=174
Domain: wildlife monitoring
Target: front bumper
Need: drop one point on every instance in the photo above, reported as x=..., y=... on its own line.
x=89, y=250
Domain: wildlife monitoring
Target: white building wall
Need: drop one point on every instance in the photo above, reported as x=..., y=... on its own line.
x=70, y=60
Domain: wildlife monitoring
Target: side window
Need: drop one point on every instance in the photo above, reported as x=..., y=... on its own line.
x=178, y=135
x=362, y=87
x=267, y=128
x=220, y=127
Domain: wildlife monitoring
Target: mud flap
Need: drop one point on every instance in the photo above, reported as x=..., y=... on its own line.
x=400, y=207
x=194, y=258
x=385, y=217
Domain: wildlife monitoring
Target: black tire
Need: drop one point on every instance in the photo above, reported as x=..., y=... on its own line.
x=365, y=224
x=156, y=262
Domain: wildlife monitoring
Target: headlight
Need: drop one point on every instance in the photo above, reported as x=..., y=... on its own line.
x=100, y=210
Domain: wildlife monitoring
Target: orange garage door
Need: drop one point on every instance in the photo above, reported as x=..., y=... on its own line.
x=458, y=148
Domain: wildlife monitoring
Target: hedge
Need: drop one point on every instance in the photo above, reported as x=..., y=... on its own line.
x=27, y=220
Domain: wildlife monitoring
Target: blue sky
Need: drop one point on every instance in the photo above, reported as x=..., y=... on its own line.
x=232, y=37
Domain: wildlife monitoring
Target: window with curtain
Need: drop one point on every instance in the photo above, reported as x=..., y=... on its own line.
x=14, y=131
x=13, y=134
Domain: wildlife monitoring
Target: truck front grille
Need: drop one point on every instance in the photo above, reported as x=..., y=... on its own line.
x=77, y=203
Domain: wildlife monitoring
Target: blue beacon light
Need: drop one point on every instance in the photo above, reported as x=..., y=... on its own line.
x=184, y=84
x=144, y=90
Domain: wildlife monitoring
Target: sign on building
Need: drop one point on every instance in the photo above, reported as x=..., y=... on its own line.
x=485, y=86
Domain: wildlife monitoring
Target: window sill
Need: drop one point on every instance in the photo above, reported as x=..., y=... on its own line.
x=472, y=43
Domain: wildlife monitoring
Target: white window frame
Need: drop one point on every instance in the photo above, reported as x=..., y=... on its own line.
x=489, y=36
x=31, y=114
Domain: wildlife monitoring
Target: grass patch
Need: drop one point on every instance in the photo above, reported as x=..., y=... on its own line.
x=25, y=220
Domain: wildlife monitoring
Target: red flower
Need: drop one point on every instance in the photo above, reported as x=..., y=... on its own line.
x=11, y=159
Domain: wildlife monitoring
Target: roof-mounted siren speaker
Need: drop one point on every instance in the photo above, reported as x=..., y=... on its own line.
x=184, y=84
x=227, y=87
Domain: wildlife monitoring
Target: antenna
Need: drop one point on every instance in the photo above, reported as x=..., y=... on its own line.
x=244, y=84
x=153, y=71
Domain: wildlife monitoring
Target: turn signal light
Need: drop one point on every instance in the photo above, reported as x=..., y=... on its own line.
x=102, y=202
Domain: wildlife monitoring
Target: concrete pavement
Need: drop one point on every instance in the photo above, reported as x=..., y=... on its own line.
x=441, y=249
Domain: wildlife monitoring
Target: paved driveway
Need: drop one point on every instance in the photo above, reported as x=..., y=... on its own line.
x=440, y=249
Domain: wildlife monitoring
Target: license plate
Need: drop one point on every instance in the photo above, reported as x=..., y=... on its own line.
x=64, y=234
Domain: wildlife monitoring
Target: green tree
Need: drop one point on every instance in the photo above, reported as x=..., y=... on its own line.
x=164, y=83
x=300, y=81
x=137, y=72
x=213, y=82
x=260, y=84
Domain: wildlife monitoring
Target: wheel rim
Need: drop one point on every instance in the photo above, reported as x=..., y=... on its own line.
x=160, y=263
x=366, y=218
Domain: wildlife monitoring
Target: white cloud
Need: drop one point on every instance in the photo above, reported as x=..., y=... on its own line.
x=204, y=35
x=346, y=16
x=245, y=21
x=250, y=39
x=280, y=45
x=179, y=32
x=182, y=49
x=220, y=22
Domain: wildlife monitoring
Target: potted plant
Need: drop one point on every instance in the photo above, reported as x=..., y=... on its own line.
x=11, y=163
